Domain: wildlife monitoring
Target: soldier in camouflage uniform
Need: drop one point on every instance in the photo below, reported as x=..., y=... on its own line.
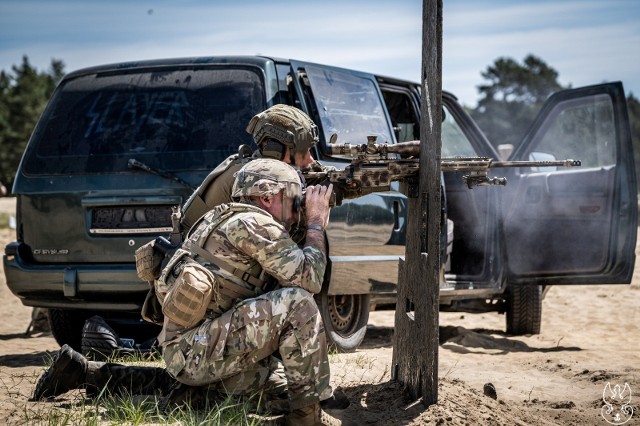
x=70, y=370
x=282, y=132
x=224, y=261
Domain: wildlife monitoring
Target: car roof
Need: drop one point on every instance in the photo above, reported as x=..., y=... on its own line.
x=212, y=60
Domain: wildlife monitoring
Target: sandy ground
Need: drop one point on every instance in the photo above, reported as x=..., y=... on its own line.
x=590, y=337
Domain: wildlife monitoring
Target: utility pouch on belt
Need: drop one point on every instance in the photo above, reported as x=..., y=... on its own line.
x=186, y=302
x=149, y=258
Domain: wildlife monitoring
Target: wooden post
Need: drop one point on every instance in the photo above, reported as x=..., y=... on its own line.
x=415, y=343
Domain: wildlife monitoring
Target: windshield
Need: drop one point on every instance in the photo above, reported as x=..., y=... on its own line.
x=172, y=119
x=348, y=105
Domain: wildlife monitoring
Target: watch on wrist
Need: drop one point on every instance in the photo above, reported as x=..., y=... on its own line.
x=315, y=227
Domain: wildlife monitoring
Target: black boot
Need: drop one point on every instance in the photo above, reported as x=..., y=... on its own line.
x=197, y=397
x=68, y=371
x=338, y=401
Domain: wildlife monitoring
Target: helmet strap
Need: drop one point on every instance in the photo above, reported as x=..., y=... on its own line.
x=272, y=148
x=292, y=157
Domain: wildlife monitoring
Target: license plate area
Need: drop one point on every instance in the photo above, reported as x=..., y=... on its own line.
x=114, y=220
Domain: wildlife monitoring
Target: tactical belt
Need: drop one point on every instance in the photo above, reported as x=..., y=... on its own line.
x=243, y=275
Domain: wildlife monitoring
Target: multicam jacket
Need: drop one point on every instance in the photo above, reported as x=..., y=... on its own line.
x=251, y=240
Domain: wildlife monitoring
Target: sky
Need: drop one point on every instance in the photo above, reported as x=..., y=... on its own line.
x=585, y=41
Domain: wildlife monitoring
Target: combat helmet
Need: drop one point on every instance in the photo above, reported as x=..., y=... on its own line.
x=266, y=176
x=285, y=124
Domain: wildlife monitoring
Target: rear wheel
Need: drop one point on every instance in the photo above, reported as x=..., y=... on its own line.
x=524, y=309
x=345, y=319
x=66, y=326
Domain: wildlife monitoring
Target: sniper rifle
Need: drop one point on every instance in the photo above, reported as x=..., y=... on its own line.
x=375, y=166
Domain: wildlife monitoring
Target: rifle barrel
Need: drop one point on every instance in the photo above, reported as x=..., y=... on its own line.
x=559, y=163
x=412, y=149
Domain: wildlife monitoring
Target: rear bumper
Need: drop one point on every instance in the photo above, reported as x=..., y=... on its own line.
x=113, y=287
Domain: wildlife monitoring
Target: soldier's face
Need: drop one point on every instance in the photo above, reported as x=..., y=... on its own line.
x=281, y=207
x=303, y=160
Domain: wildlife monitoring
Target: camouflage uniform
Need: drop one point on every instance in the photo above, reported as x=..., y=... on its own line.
x=215, y=189
x=267, y=373
x=284, y=124
x=239, y=333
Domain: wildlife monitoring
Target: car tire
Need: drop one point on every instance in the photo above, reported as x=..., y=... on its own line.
x=345, y=319
x=66, y=327
x=524, y=309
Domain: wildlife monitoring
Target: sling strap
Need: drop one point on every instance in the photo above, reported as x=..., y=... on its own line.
x=221, y=264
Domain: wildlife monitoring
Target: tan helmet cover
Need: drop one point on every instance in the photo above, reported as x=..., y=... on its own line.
x=287, y=125
x=266, y=176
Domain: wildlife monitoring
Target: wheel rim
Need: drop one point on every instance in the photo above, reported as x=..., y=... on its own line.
x=343, y=311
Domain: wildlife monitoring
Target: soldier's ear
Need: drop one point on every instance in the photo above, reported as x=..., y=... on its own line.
x=266, y=200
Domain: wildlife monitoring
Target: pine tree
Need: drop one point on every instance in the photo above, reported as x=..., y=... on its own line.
x=23, y=95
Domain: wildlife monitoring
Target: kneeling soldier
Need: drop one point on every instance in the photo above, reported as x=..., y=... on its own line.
x=241, y=290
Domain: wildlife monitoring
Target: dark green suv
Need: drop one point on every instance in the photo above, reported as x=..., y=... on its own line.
x=119, y=145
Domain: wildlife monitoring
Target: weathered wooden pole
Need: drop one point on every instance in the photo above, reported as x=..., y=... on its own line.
x=415, y=343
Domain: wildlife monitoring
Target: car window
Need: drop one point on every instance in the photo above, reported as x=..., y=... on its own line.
x=454, y=141
x=582, y=129
x=175, y=119
x=404, y=117
x=348, y=105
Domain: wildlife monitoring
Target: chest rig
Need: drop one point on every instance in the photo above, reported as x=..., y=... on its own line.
x=227, y=282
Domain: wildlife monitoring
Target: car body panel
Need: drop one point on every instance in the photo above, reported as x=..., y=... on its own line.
x=362, y=232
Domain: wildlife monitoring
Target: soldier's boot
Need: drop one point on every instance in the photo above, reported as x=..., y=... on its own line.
x=68, y=371
x=337, y=401
x=281, y=405
x=122, y=379
x=313, y=415
x=100, y=341
x=197, y=397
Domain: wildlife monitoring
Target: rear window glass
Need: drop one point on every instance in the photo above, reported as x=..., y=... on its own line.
x=185, y=119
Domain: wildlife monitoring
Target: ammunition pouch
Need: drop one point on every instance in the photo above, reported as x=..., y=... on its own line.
x=194, y=283
x=187, y=300
x=150, y=256
x=152, y=309
x=149, y=261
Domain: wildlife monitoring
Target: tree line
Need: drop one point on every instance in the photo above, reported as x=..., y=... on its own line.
x=510, y=97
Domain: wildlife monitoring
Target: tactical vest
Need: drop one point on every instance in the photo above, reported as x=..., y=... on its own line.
x=195, y=207
x=228, y=283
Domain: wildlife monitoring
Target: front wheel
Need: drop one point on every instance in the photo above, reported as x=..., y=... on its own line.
x=524, y=309
x=345, y=319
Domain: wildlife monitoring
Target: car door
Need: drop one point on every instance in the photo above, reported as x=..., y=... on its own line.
x=469, y=241
x=362, y=232
x=366, y=235
x=574, y=225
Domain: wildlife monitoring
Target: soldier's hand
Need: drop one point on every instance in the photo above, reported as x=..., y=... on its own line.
x=317, y=204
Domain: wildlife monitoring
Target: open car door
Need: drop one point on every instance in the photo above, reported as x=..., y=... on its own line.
x=574, y=225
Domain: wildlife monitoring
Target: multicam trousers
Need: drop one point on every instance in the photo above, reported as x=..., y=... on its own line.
x=235, y=349
x=116, y=379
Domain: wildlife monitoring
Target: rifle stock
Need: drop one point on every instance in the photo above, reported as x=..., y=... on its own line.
x=375, y=166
